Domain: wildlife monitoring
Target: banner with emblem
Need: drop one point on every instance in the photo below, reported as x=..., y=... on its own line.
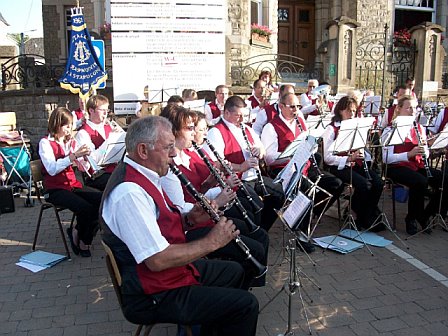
x=83, y=72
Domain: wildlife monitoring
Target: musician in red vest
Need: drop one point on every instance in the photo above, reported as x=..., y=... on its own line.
x=277, y=136
x=367, y=192
x=93, y=133
x=406, y=165
x=310, y=104
x=196, y=171
x=243, y=151
x=214, y=109
x=58, y=152
x=164, y=277
x=386, y=119
x=260, y=95
x=410, y=86
x=265, y=115
x=440, y=122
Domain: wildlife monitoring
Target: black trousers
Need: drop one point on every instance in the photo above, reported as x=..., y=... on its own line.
x=98, y=182
x=217, y=304
x=273, y=202
x=85, y=203
x=257, y=243
x=366, y=194
x=418, y=182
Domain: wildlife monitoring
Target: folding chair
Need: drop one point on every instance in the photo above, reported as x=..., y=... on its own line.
x=36, y=171
x=115, y=276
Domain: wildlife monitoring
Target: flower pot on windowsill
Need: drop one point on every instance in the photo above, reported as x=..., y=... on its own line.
x=261, y=38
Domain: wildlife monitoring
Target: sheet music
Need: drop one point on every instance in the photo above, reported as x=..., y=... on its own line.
x=442, y=139
x=113, y=148
x=316, y=124
x=352, y=135
x=295, y=211
x=195, y=105
x=402, y=127
x=372, y=104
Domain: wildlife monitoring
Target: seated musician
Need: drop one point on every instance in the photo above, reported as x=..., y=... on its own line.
x=242, y=148
x=196, y=171
x=58, y=152
x=278, y=134
x=440, y=122
x=265, y=115
x=214, y=109
x=407, y=166
x=164, y=277
x=79, y=114
x=310, y=105
x=93, y=133
x=386, y=120
x=367, y=184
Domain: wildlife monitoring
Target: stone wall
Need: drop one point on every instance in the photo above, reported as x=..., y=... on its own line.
x=372, y=16
x=33, y=107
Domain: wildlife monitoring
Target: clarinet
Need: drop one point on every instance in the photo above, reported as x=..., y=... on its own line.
x=229, y=171
x=257, y=170
x=420, y=143
x=205, y=204
x=366, y=167
x=213, y=170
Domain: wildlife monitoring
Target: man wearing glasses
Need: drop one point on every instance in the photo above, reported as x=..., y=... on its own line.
x=93, y=133
x=276, y=137
x=310, y=104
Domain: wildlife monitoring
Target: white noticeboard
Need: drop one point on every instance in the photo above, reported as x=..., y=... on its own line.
x=163, y=42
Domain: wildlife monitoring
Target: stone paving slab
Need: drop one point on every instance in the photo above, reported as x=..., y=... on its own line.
x=361, y=294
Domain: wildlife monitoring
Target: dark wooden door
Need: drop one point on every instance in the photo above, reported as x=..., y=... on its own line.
x=296, y=30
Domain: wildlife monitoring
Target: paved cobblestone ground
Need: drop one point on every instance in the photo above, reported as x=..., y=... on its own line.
x=361, y=294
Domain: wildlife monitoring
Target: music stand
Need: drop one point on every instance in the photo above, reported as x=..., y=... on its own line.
x=372, y=104
x=352, y=136
x=113, y=148
x=291, y=216
x=438, y=220
x=397, y=135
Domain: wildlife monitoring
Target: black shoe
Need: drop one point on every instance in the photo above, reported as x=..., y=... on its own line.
x=378, y=228
x=426, y=228
x=85, y=253
x=411, y=226
x=75, y=247
x=305, y=246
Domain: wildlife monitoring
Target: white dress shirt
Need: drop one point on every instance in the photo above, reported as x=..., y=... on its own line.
x=209, y=115
x=215, y=137
x=49, y=161
x=269, y=139
x=262, y=120
x=436, y=124
x=131, y=214
x=329, y=158
x=83, y=138
x=307, y=104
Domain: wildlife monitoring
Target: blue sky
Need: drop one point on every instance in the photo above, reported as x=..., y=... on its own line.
x=22, y=16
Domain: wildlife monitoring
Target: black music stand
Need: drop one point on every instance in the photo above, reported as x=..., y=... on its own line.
x=397, y=135
x=352, y=136
x=372, y=105
x=291, y=216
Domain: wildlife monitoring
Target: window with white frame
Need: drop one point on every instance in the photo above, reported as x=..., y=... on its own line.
x=256, y=12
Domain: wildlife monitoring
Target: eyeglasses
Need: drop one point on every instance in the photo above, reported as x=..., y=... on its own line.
x=189, y=128
x=104, y=110
x=293, y=106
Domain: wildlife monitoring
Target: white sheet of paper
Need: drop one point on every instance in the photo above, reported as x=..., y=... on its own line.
x=195, y=105
x=402, y=125
x=372, y=104
x=296, y=209
x=352, y=134
x=442, y=139
x=113, y=148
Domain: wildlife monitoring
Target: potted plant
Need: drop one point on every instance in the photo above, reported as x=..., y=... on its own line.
x=260, y=33
x=105, y=31
x=402, y=37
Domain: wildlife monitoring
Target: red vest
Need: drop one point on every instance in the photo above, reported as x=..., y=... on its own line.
x=358, y=162
x=313, y=102
x=390, y=114
x=66, y=179
x=414, y=163
x=98, y=140
x=79, y=113
x=216, y=112
x=170, y=224
x=285, y=137
x=232, y=149
x=271, y=112
x=253, y=102
x=444, y=120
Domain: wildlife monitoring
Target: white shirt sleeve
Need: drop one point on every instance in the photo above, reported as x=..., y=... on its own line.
x=173, y=189
x=307, y=106
x=131, y=215
x=83, y=138
x=329, y=158
x=49, y=161
x=389, y=156
x=209, y=115
x=260, y=121
x=436, y=125
x=384, y=119
x=216, y=139
x=269, y=139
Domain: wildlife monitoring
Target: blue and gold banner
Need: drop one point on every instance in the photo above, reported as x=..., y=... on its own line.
x=83, y=72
